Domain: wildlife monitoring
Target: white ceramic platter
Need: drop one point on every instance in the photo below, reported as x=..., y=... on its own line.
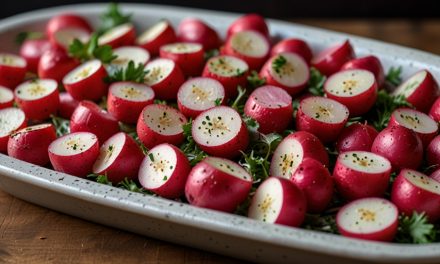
x=181, y=223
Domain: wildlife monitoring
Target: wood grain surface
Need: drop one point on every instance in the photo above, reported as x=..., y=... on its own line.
x=32, y=234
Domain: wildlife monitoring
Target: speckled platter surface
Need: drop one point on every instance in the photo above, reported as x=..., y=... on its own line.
x=184, y=224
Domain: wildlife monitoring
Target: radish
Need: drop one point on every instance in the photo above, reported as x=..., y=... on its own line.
x=434, y=112
x=196, y=31
x=356, y=89
x=66, y=21
x=220, y=132
x=164, y=171
x=122, y=35
x=401, y=146
x=165, y=77
x=421, y=90
x=331, y=59
x=288, y=71
x=249, y=22
x=88, y=117
x=271, y=107
x=64, y=37
x=199, y=94
x=250, y=46
x=160, y=124
x=119, y=158
x=291, y=152
x=11, y=119
x=323, y=117
x=6, y=97
x=189, y=56
x=67, y=105
x=38, y=98
x=55, y=64
x=316, y=183
x=436, y=175
x=356, y=137
x=413, y=191
x=12, y=70
x=126, y=54
x=424, y=126
x=159, y=34
x=278, y=201
x=230, y=71
x=126, y=100
x=32, y=50
x=74, y=153
x=361, y=174
x=218, y=184
x=368, y=218
x=433, y=152
x=293, y=45
x=86, y=82
x=30, y=144
x=370, y=63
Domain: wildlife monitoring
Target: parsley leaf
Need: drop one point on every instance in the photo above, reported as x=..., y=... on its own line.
x=91, y=50
x=162, y=102
x=62, y=126
x=211, y=53
x=238, y=103
x=26, y=35
x=130, y=73
x=218, y=101
x=316, y=82
x=131, y=186
x=251, y=124
x=394, y=75
x=189, y=146
x=99, y=178
x=278, y=63
x=113, y=17
x=415, y=229
x=255, y=81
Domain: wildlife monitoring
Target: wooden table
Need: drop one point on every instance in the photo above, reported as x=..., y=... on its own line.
x=32, y=234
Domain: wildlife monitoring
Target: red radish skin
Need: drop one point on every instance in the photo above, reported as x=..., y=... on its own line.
x=272, y=107
x=122, y=35
x=331, y=59
x=197, y=31
x=55, y=64
x=357, y=136
x=89, y=117
x=126, y=100
x=125, y=54
x=249, y=22
x=74, y=153
x=38, y=98
x=119, y=158
x=67, y=105
x=278, y=201
x=293, y=45
x=189, y=56
x=160, y=124
x=32, y=50
x=12, y=70
x=435, y=175
x=165, y=77
x=220, y=132
x=164, y=171
x=370, y=63
x=159, y=34
x=434, y=112
x=11, y=119
x=6, y=97
x=64, y=21
x=315, y=182
x=218, y=184
x=401, y=146
x=368, y=218
x=433, y=152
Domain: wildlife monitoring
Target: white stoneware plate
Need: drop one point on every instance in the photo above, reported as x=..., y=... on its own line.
x=181, y=223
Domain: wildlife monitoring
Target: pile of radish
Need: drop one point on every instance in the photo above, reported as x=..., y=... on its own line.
x=245, y=128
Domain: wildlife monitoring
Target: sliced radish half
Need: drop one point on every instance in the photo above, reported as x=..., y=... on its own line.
x=156, y=36
x=31, y=50
x=434, y=112
x=248, y=22
x=331, y=59
x=165, y=77
x=129, y=53
x=122, y=35
x=293, y=45
x=11, y=119
x=6, y=97
x=12, y=70
x=221, y=132
x=74, y=153
x=189, y=56
x=370, y=63
x=66, y=22
x=64, y=37
x=368, y=218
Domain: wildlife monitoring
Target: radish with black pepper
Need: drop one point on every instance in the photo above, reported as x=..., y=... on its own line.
x=370, y=63
x=159, y=34
x=122, y=35
x=12, y=70
x=433, y=152
x=248, y=22
x=197, y=31
x=55, y=63
x=356, y=136
x=331, y=59
x=189, y=56
x=293, y=45
x=32, y=50
x=125, y=54
x=6, y=97
x=165, y=77
x=11, y=119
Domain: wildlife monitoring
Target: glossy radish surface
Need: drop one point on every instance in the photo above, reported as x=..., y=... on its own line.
x=248, y=22
x=125, y=54
x=293, y=45
x=66, y=21
x=434, y=112
x=189, y=56
x=55, y=64
x=32, y=50
x=157, y=35
x=331, y=59
x=11, y=119
x=6, y=97
x=12, y=70
x=67, y=105
x=122, y=35
x=433, y=152
x=165, y=77
x=370, y=63
x=197, y=31
x=356, y=136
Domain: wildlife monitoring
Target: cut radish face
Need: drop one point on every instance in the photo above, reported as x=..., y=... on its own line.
x=65, y=37
x=119, y=158
x=357, y=136
x=278, y=201
x=370, y=63
x=221, y=132
x=129, y=53
x=199, y=94
x=331, y=59
x=368, y=218
x=164, y=171
x=156, y=36
x=356, y=89
x=12, y=70
x=66, y=23
x=74, y=153
x=38, y=98
x=160, y=124
x=31, y=50
x=293, y=45
x=6, y=97
x=218, y=184
x=323, y=117
x=122, y=35
x=189, y=56
x=126, y=100
x=361, y=174
x=11, y=119
x=165, y=77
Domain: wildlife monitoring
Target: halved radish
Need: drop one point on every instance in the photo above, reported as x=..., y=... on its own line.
x=55, y=64
x=66, y=21
x=414, y=191
x=199, y=94
x=86, y=82
x=357, y=136
x=272, y=107
x=89, y=117
x=278, y=201
x=229, y=71
x=32, y=50
x=370, y=63
x=250, y=46
x=122, y=35
x=248, y=22
x=67, y=105
x=356, y=89
x=189, y=56
x=361, y=174
x=164, y=171
x=433, y=152
x=434, y=112
x=218, y=184
x=331, y=59
x=126, y=54
x=38, y=98
x=293, y=45
x=369, y=218
x=6, y=97
x=119, y=158
x=435, y=175
x=293, y=150
x=425, y=127
x=421, y=90
x=221, y=132
x=11, y=119
x=288, y=71
x=74, y=153
x=12, y=70
x=64, y=37
x=160, y=124
x=197, y=31
x=30, y=144
x=156, y=36
x=126, y=100
x=323, y=117
x=165, y=77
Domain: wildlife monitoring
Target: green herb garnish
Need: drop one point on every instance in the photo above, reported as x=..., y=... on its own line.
x=130, y=73
x=27, y=35
x=62, y=126
x=278, y=63
x=91, y=50
x=394, y=75
x=316, y=82
x=255, y=81
x=415, y=229
x=113, y=17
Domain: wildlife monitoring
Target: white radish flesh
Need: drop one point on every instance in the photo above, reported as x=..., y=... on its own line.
x=158, y=167
x=82, y=72
x=227, y=66
x=115, y=33
x=109, y=152
x=267, y=202
x=10, y=119
x=158, y=70
x=73, y=144
x=200, y=93
x=349, y=83
x=130, y=53
x=293, y=72
x=286, y=158
x=415, y=120
x=364, y=161
x=250, y=43
x=12, y=60
x=325, y=110
x=135, y=92
x=36, y=89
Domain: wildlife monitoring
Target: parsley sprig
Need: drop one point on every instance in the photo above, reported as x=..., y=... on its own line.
x=189, y=147
x=394, y=75
x=131, y=73
x=415, y=229
x=91, y=50
x=27, y=35
x=238, y=103
x=62, y=126
x=316, y=82
x=278, y=63
x=113, y=17
x=255, y=81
